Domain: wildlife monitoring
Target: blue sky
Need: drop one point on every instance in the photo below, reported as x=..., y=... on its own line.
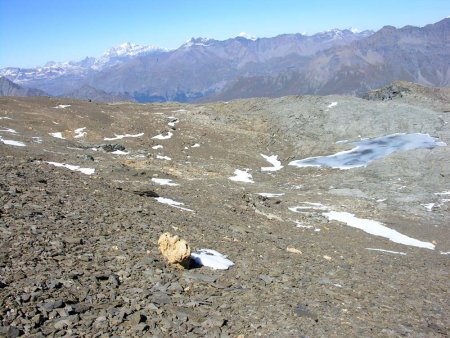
x=33, y=32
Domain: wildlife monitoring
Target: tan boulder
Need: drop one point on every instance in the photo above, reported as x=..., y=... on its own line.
x=175, y=250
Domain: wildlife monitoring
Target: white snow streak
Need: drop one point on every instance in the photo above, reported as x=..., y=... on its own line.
x=159, y=157
x=86, y=171
x=269, y=194
x=62, y=106
x=164, y=181
x=388, y=251
x=119, y=137
x=12, y=142
x=80, y=132
x=172, y=203
x=159, y=146
x=8, y=130
x=120, y=152
x=376, y=228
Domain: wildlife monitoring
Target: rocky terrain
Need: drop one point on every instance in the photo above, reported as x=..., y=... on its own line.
x=87, y=189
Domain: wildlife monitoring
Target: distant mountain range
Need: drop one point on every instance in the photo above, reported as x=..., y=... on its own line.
x=331, y=62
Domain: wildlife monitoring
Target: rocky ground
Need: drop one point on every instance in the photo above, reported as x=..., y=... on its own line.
x=79, y=253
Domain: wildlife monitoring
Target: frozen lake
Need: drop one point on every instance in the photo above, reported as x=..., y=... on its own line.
x=369, y=150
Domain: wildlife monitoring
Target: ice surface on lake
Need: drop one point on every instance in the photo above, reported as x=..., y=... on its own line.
x=241, y=176
x=57, y=135
x=164, y=181
x=86, y=171
x=12, y=142
x=376, y=228
x=172, y=203
x=211, y=258
x=273, y=160
x=119, y=137
x=369, y=150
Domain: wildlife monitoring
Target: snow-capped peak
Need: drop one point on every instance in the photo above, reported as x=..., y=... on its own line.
x=197, y=42
x=354, y=30
x=129, y=49
x=247, y=36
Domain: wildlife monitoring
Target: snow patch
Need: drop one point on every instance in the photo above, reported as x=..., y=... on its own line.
x=276, y=165
x=376, y=228
x=119, y=137
x=242, y=176
x=159, y=157
x=388, y=251
x=62, y=106
x=79, y=132
x=269, y=194
x=212, y=259
x=8, y=130
x=195, y=145
x=172, y=203
x=332, y=104
x=12, y=142
x=119, y=152
x=58, y=135
x=37, y=139
x=428, y=206
x=5, y=118
x=164, y=181
x=159, y=146
x=86, y=171
x=163, y=136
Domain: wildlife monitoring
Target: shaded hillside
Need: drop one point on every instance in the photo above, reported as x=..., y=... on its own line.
x=9, y=88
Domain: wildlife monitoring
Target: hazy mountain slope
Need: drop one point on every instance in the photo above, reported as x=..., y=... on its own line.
x=90, y=93
x=9, y=88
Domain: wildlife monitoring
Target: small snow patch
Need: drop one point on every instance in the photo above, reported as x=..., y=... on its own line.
x=163, y=136
x=119, y=152
x=80, y=132
x=212, y=259
x=276, y=165
x=37, y=139
x=86, y=171
x=332, y=104
x=172, y=203
x=270, y=194
x=12, y=142
x=388, y=251
x=157, y=147
x=195, y=145
x=159, y=157
x=119, y=137
x=62, y=106
x=5, y=118
x=164, y=181
x=8, y=130
x=242, y=176
x=58, y=135
x=428, y=206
